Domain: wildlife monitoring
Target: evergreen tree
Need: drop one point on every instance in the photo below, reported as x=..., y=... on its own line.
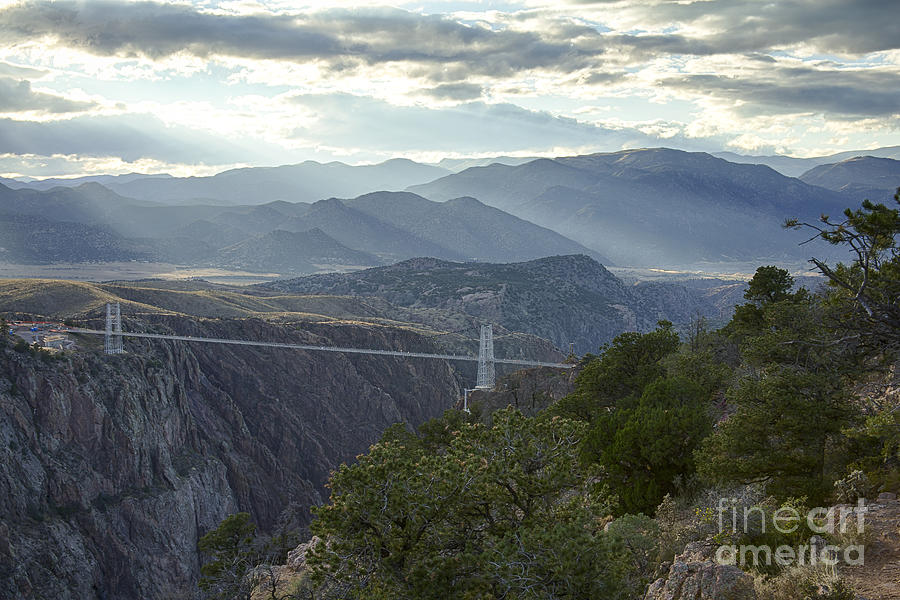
x=620, y=374
x=790, y=405
x=646, y=448
x=232, y=552
x=499, y=511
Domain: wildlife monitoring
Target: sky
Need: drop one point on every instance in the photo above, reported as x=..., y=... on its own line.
x=193, y=88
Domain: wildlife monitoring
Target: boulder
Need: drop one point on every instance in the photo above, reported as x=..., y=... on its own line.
x=694, y=575
x=296, y=558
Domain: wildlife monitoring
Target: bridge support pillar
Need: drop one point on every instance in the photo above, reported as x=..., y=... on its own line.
x=113, y=338
x=486, y=376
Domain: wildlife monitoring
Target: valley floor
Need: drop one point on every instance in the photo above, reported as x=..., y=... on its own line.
x=128, y=271
x=134, y=270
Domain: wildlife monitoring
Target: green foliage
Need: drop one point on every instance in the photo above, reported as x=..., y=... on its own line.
x=783, y=427
x=791, y=406
x=875, y=447
x=853, y=487
x=705, y=368
x=647, y=447
x=232, y=552
x=636, y=540
x=866, y=293
x=626, y=366
x=468, y=511
x=769, y=284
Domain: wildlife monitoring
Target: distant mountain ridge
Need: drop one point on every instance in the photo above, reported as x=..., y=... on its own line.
x=795, y=167
x=859, y=177
x=642, y=207
x=303, y=182
x=653, y=206
x=280, y=237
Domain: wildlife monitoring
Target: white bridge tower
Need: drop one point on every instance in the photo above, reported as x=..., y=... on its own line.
x=113, y=338
x=486, y=376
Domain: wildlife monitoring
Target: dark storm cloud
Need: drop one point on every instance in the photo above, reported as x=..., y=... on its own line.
x=17, y=96
x=345, y=38
x=130, y=138
x=788, y=90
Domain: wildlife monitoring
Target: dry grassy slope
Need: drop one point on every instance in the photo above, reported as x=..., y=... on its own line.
x=54, y=298
x=79, y=300
x=71, y=299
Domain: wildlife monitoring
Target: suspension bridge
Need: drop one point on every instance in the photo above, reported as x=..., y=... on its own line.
x=114, y=344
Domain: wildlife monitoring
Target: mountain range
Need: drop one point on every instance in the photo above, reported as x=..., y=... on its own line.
x=645, y=207
x=795, y=167
x=304, y=182
x=280, y=237
x=652, y=206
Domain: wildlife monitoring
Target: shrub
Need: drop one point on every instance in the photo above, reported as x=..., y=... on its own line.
x=853, y=487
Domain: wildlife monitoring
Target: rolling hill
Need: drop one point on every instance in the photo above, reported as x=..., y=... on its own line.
x=566, y=299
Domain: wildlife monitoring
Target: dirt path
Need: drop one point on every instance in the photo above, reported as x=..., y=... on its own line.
x=879, y=577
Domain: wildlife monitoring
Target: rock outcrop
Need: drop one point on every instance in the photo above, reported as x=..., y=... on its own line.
x=112, y=467
x=694, y=575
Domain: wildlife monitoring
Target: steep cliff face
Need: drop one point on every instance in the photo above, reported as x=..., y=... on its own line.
x=111, y=467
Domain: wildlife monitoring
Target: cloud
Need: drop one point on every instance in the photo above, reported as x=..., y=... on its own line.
x=728, y=26
x=16, y=71
x=455, y=91
x=343, y=120
x=344, y=38
x=128, y=137
x=267, y=82
x=840, y=93
x=17, y=96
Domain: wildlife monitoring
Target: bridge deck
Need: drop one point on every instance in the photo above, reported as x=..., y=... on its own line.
x=187, y=338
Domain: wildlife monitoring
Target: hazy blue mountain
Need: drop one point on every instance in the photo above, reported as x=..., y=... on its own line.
x=459, y=164
x=86, y=203
x=369, y=230
x=289, y=252
x=105, y=180
x=304, y=182
x=468, y=227
x=362, y=231
x=794, y=167
x=860, y=177
x=651, y=206
x=33, y=239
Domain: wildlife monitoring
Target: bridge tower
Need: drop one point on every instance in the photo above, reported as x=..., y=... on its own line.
x=486, y=376
x=113, y=338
